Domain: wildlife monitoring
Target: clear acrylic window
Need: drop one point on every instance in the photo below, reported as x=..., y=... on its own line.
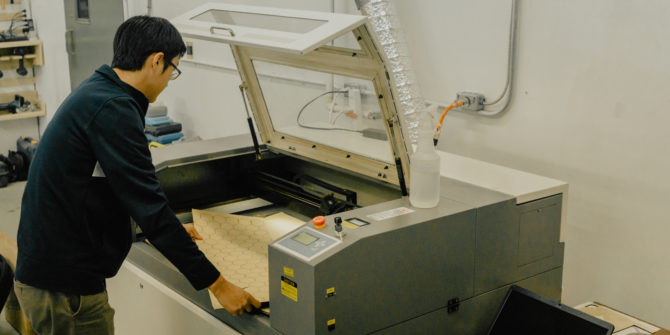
x=261, y=21
x=333, y=110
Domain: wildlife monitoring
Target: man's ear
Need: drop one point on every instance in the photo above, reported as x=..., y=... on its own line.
x=156, y=59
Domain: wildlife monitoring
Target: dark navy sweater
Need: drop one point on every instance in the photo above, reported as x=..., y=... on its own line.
x=75, y=228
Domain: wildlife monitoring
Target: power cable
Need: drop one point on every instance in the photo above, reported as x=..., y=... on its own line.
x=297, y=119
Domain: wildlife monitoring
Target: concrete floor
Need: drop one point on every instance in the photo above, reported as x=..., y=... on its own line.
x=10, y=211
x=10, y=207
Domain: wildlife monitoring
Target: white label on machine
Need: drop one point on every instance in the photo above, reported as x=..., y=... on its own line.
x=391, y=213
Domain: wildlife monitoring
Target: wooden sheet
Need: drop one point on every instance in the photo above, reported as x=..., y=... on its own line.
x=620, y=320
x=238, y=247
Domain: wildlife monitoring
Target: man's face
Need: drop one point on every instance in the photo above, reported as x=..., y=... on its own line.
x=169, y=70
x=161, y=76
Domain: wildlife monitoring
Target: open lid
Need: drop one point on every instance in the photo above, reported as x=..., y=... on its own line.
x=325, y=95
x=292, y=31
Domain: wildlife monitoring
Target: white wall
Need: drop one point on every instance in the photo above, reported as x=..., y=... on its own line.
x=53, y=81
x=590, y=108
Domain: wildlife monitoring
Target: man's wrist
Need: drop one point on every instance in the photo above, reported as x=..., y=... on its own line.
x=218, y=285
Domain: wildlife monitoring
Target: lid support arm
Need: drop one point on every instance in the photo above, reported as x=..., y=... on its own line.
x=398, y=164
x=243, y=87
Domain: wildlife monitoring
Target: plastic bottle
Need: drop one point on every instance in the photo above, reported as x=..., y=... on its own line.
x=424, y=168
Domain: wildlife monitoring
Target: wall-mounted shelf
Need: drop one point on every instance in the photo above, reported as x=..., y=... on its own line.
x=7, y=16
x=33, y=55
x=9, y=63
x=6, y=58
x=27, y=115
x=29, y=96
x=9, y=3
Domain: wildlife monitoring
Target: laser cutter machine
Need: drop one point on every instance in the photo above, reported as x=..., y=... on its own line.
x=331, y=141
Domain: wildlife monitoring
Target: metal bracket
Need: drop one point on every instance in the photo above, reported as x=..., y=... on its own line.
x=452, y=305
x=212, y=29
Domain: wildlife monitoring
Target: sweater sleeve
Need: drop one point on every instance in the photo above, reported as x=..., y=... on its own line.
x=117, y=139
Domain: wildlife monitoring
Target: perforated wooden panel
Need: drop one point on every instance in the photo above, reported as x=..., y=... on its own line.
x=238, y=247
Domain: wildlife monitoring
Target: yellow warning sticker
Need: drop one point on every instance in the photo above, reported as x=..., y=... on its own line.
x=289, y=288
x=349, y=225
x=288, y=272
x=331, y=322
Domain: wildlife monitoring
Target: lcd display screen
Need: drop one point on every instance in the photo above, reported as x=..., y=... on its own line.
x=304, y=238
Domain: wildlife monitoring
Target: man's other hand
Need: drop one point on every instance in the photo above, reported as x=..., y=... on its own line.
x=190, y=229
x=234, y=299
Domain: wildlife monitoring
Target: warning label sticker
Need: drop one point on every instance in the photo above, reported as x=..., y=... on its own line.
x=391, y=213
x=289, y=288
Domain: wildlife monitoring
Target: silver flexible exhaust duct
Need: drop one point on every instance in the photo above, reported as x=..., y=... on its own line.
x=385, y=25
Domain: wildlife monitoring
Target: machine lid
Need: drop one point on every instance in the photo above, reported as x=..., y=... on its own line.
x=287, y=30
x=331, y=101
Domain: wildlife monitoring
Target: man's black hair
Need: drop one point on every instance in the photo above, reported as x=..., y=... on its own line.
x=140, y=36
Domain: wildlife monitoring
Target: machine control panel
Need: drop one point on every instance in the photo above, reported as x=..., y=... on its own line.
x=306, y=243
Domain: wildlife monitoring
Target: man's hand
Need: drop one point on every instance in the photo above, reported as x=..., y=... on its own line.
x=234, y=299
x=190, y=229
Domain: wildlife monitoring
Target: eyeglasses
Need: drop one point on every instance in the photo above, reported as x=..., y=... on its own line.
x=175, y=74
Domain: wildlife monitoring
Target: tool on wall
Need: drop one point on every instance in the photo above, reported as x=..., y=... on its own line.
x=22, y=71
x=19, y=105
x=20, y=21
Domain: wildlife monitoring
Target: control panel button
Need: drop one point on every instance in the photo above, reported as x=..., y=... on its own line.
x=319, y=222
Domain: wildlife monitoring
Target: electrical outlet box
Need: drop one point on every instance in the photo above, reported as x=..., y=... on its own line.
x=189, y=50
x=472, y=102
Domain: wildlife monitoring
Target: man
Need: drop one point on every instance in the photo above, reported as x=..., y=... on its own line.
x=75, y=229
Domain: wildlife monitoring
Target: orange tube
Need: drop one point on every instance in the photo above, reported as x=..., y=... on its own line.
x=457, y=103
x=438, y=128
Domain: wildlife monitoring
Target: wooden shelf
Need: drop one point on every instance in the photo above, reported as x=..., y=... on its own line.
x=10, y=62
x=7, y=16
x=34, y=57
x=26, y=43
x=27, y=115
x=8, y=3
x=15, y=57
x=17, y=81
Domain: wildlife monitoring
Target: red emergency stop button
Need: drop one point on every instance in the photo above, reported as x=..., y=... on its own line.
x=319, y=222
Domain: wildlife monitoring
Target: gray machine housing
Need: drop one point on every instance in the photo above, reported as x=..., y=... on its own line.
x=439, y=270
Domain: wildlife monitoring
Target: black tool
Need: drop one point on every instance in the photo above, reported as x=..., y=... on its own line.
x=26, y=146
x=15, y=105
x=15, y=166
x=27, y=26
x=4, y=174
x=22, y=71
